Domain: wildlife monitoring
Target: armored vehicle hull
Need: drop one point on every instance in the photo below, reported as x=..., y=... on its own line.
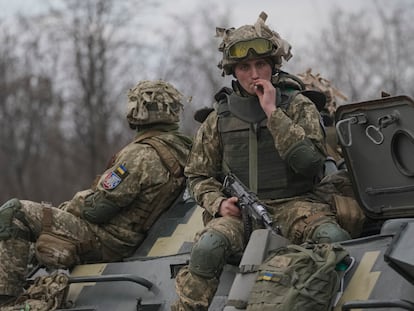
x=377, y=139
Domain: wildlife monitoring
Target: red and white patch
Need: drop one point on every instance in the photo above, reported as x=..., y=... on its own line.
x=111, y=181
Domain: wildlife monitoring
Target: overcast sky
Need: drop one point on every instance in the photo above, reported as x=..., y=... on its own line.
x=292, y=19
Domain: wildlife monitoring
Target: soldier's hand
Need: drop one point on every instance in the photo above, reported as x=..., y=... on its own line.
x=228, y=207
x=266, y=93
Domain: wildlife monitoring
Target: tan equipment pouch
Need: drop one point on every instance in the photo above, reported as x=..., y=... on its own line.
x=55, y=251
x=47, y=293
x=349, y=214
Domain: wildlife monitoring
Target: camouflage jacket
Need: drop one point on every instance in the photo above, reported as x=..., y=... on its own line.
x=288, y=126
x=144, y=190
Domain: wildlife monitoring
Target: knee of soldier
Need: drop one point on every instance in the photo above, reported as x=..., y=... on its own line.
x=208, y=255
x=329, y=233
x=7, y=228
x=56, y=252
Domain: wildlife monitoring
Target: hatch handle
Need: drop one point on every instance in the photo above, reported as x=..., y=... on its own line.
x=112, y=278
x=378, y=304
x=374, y=133
x=355, y=119
x=388, y=119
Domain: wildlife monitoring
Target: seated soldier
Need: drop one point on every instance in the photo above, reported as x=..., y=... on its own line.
x=264, y=131
x=108, y=221
x=335, y=188
x=316, y=82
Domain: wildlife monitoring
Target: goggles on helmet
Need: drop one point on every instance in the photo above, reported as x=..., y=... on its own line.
x=241, y=49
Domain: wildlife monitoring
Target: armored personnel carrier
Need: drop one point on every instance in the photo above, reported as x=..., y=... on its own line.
x=377, y=139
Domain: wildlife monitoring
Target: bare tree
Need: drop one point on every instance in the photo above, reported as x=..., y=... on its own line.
x=364, y=53
x=92, y=35
x=396, y=46
x=191, y=61
x=65, y=75
x=29, y=110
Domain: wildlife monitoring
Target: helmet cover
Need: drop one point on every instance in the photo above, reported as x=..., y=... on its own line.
x=230, y=36
x=151, y=102
x=318, y=83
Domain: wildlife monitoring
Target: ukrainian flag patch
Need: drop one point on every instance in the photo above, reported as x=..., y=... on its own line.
x=267, y=276
x=115, y=177
x=271, y=277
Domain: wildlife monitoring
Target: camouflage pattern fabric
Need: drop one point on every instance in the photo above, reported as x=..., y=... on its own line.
x=298, y=278
x=281, y=48
x=334, y=97
x=47, y=293
x=151, y=102
x=196, y=293
x=332, y=146
x=297, y=216
x=336, y=189
x=318, y=83
x=146, y=187
x=300, y=120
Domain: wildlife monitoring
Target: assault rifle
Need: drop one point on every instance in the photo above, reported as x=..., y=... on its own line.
x=248, y=202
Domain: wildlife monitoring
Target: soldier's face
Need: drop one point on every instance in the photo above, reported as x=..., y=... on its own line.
x=248, y=71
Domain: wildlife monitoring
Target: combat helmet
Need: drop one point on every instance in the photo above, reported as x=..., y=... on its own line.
x=151, y=102
x=251, y=41
x=316, y=82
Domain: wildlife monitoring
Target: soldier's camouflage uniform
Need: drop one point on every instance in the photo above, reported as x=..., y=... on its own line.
x=148, y=189
x=137, y=182
x=334, y=97
x=289, y=125
x=203, y=170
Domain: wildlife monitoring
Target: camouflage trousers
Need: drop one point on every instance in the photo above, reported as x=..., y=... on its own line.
x=297, y=220
x=60, y=248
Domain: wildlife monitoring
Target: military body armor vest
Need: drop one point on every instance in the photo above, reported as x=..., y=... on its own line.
x=275, y=178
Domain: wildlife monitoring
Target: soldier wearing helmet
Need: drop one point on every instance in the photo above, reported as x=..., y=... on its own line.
x=251, y=41
x=153, y=102
x=108, y=221
x=335, y=187
x=333, y=95
x=267, y=133
x=316, y=82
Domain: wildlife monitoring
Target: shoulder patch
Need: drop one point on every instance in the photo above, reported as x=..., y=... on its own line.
x=114, y=178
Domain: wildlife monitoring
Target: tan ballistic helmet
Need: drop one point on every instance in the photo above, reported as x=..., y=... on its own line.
x=318, y=83
x=278, y=47
x=152, y=102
